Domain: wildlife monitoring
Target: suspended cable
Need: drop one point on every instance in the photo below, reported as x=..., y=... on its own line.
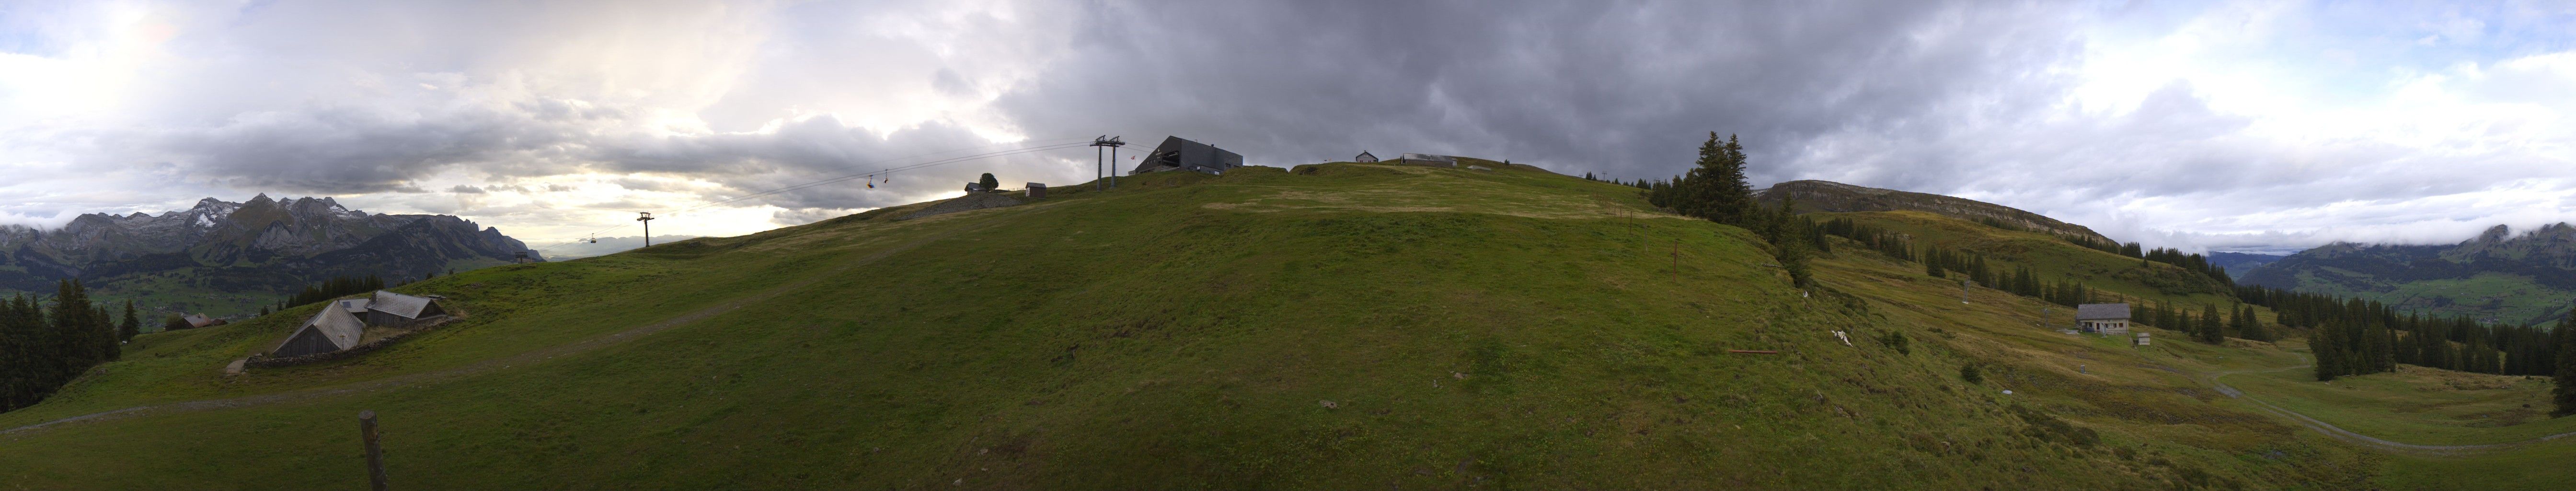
x=872, y=176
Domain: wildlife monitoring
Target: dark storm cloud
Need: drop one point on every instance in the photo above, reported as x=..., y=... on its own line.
x=339, y=149
x=687, y=103
x=804, y=151
x=1627, y=88
x=356, y=149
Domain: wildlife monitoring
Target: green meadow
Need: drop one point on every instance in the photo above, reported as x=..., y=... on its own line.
x=1329, y=326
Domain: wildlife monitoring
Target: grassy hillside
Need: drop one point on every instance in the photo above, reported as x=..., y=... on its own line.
x=2487, y=296
x=2423, y=405
x=1331, y=326
x=2052, y=258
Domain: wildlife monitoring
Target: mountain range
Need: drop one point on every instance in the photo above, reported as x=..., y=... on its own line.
x=2499, y=276
x=2239, y=264
x=231, y=258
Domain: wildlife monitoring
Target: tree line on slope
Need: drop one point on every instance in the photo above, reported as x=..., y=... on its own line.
x=42, y=348
x=2208, y=326
x=1715, y=189
x=2351, y=336
x=336, y=287
x=2359, y=337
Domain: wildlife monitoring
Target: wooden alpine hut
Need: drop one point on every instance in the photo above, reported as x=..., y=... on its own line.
x=399, y=310
x=332, y=329
x=2110, y=319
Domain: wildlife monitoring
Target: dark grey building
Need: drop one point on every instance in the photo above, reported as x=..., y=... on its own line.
x=1178, y=154
x=332, y=329
x=399, y=310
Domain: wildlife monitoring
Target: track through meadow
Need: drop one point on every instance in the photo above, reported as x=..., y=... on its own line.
x=2329, y=429
x=484, y=366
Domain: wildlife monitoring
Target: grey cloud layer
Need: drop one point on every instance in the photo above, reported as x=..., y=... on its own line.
x=1948, y=97
x=1626, y=89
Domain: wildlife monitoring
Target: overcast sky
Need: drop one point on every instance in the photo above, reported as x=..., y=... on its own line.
x=2222, y=125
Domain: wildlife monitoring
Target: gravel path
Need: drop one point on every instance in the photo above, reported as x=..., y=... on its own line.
x=485, y=365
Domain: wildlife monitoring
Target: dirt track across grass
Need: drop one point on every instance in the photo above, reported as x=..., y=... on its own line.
x=2373, y=442
x=481, y=366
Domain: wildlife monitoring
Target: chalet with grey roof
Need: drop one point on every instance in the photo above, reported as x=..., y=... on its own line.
x=399, y=310
x=332, y=329
x=2105, y=318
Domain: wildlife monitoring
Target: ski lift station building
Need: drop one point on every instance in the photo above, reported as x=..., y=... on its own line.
x=1178, y=154
x=1429, y=160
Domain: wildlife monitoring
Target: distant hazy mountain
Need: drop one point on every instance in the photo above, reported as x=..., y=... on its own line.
x=1835, y=197
x=2239, y=264
x=230, y=258
x=2516, y=278
x=608, y=245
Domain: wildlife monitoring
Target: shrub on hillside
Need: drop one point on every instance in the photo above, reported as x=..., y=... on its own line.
x=1896, y=340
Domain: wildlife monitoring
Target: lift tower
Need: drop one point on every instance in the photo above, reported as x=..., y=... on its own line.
x=1113, y=142
x=647, y=218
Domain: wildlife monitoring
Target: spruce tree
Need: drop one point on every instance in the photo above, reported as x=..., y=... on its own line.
x=2565, y=390
x=1715, y=188
x=2329, y=353
x=104, y=338
x=75, y=343
x=2376, y=352
x=2211, y=331
x=2254, y=328
x=17, y=366
x=130, y=326
x=1792, y=245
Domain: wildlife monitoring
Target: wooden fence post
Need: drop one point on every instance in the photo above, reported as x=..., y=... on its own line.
x=375, y=455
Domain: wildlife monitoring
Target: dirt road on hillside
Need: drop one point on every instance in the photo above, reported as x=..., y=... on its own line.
x=2339, y=433
x=531, y=357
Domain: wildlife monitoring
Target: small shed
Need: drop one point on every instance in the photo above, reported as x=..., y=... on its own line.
x=2110, y=319
x=332, y=329
x=1364, y=157
x=1429, y=159
x=399, y=310
x=1037, y=190
x=975, y=187
x=201, y=320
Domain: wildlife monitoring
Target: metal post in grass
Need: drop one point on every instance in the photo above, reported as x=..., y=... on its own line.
x=375, y=455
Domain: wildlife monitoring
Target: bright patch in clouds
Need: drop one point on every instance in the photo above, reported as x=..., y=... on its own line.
x=2235, y=125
